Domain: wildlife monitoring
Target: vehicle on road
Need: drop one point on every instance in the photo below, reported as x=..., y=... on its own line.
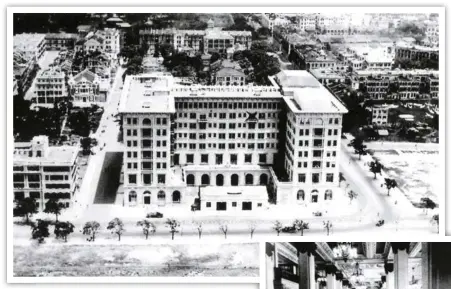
x=289, y=229
x=154, y=215
x=380, y=223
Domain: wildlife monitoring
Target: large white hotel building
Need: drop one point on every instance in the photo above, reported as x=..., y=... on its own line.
x=234, y=147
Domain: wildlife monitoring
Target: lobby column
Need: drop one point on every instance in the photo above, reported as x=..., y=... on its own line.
x=390, y=276
x=306, y=266
x=338, y=279
x=330, y=279
x=277, y=273
x=401, y=265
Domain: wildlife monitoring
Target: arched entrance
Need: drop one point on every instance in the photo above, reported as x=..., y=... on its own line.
x=132, y=198
x=249, y=179
x=205, y=179
x=147, y=197
x=176, y=197
x=190, y=181
x=219, y=180
x=328, y=195
x=234, y=180
x=161, y=197
x=263, y=179
x=315, y=196
x=300, y=195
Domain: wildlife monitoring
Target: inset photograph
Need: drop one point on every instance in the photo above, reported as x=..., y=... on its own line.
x=358, y=265
x=208, y=260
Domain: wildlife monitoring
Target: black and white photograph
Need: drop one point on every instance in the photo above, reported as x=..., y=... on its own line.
x=358, y=265
x=170, y=142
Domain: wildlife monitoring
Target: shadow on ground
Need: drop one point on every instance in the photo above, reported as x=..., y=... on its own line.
x=109, y=178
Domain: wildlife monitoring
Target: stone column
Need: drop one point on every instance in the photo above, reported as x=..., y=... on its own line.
x=307, y=266
x=401, y=265
x=330, y=271
x=389, y=279
x=277, y=283
x=338, y=280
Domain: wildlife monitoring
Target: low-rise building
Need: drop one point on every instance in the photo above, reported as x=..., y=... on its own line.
x=233, y=198
x=85, y=88
x=416, y=52
x=328, y=76
x=379, y=115
x=60, y=41
x=44, y=172
x=230, y=76
x=49, y=86
x=32, y=45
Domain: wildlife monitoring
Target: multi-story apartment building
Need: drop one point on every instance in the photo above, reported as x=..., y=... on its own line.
x=31, y=44
x=50, y=85
x=44, y=172
x=432, y=32
x=379, y=115
x=180, y=139
x=60, y=41
x=213, y=39
x=307, y=22
x=415, y=52
x=398, y=84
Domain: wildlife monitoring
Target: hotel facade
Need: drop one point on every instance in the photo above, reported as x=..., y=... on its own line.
x=182, y=140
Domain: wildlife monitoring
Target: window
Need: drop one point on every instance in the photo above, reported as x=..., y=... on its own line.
x=190, y=180
x=315, y=178
x=249, y=179
x=208, y=204
x=219, y=159
x=205, y=179
x=301, y=178
x=248, y=158
x=330, y=178
x=190, y=158
x=132, y=179
x=204, y=158
x=161, y=178
x=233, y=204
x=262, y=158
x=147, y=179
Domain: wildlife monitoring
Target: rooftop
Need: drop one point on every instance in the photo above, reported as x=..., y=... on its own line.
x=62, y=35
x=147, y=93
x=254, y=192
x=228, y=71
x=51, y=72
x=326, y=73
x=27, y=41
x=61, y=155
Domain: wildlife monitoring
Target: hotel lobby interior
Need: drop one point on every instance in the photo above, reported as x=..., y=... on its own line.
x=358, y=265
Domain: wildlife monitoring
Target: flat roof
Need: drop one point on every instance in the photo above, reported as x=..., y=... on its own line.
x=326, y=73
x=61, y=155
x=238, y=192
x=147, y=93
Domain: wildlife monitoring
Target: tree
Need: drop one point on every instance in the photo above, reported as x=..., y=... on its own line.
x=360, y=150
x=116, y=226
x=376, y=168
x=63, y=229
x=40, y=231
x=252, y=228
x=199, y=229
x=278, y=227
x=327, y=226
x=90, y=229
x=224, y=228
x=173, y=224
x=390, y=184
x=263, y=32
x=86, y=144
x=26, y=207
x=300, y=225
x=54, y=207
x=215, y=56
x=435, y=219
x=427, y=203
x=148, y=227
x=352, y=195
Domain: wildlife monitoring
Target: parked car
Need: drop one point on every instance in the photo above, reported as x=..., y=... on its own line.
x=317, y=214
x=380, y=223
x=154, y=215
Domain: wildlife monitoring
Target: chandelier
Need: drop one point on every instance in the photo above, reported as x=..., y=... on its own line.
x=345, y=251
x=357, y=276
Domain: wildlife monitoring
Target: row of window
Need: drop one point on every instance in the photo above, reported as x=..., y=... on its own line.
x=260, y=125
x=223, y=146
x=223, y=115
x=146, y=121
x=315, y=177
x=204, y=158
x=317, y=143
x=161, y=178
x=317, y=132
x=316, y=164
x=225, y=105
x=230, y=135
x=234, y=180
x=319, y=153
